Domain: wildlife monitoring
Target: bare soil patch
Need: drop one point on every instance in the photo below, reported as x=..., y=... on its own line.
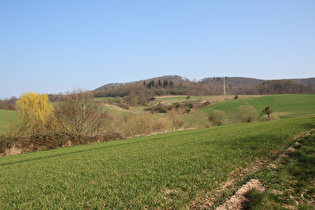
x=13, y=151
x=238, y=199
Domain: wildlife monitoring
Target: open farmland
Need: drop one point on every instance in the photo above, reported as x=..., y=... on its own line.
x=168, y=170
x=285, y=106
x=6, y=120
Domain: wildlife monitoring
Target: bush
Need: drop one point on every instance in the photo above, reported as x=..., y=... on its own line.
x=247, y=113
x=35, y=113
x=143, y=125
x=123, y=105
x=160, y=108
x=217, y=117
x=52, y=140
x=77, y=113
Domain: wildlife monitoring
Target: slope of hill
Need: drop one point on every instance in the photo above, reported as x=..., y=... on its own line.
x=285, y=106
x=174, y=170
x=175, y=78
x=233, y=84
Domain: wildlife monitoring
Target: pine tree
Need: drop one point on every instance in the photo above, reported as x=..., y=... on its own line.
x=165, y=84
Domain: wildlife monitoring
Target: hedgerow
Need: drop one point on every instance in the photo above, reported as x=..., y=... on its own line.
x=47, y=141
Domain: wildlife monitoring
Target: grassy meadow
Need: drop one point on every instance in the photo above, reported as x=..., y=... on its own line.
x=6, y=120
x=285, y=106
x=290, y=181
x=162, y=171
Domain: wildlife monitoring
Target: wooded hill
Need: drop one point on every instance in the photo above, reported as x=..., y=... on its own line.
x=177, y=85
x=140, y=92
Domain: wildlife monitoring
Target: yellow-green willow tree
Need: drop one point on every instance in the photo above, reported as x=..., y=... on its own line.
x=35, y=112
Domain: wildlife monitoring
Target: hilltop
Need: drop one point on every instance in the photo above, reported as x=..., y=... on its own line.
x=177, y=85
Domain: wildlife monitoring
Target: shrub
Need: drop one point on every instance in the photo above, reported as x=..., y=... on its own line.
x=217, y=117
x=247, y=113
x=35, y=113
x=160, y=108
x=77, y=113
x=147, y=125
x=52, y=140
x=123, y=105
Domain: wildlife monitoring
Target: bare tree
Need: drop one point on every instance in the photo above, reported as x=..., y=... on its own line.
x=78, y=113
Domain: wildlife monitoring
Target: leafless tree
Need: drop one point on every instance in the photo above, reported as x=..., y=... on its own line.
x=78, y=113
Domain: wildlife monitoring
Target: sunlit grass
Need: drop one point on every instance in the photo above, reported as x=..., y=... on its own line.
x=285, y=106
x=138, y=172
x=291, y=182
x=7, y=118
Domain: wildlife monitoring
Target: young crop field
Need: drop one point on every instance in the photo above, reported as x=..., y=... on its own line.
x=290, y=180
x=285, y=106
x=174, y=170
x=6, y=120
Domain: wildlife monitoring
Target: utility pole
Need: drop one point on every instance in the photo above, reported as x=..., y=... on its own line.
x=223, y=85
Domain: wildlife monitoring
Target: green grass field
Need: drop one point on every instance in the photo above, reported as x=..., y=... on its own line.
x=6, y=120
x=292, y=177
x=162, y=171
x=285, y=106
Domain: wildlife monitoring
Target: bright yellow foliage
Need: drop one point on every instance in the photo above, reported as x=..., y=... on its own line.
x=35, y=111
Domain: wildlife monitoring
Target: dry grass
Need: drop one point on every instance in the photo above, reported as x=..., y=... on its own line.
x=145, y=124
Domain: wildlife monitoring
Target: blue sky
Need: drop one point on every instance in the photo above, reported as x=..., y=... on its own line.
x=57, y=46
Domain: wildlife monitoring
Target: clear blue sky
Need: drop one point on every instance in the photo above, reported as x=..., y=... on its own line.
x=57, y=46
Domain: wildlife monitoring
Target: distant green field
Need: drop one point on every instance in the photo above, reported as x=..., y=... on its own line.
x=162, y=171
x=6, y=119
x=285, y=106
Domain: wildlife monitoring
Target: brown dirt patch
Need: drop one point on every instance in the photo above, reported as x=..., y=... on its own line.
x=209, y=199
x=13, y=151
x=237, y=200
x=110, y=106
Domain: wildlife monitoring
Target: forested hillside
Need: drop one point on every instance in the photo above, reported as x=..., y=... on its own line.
x=177, y=85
